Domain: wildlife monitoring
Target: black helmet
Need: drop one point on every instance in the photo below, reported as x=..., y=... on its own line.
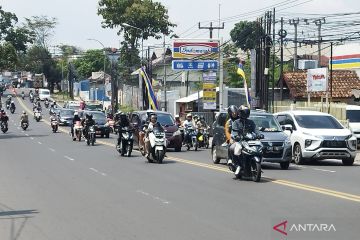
x=153, y=115
x=233, y=110
x=244, y=112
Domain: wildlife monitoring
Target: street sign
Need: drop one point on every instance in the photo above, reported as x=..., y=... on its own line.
x=209, y=77
x=317, y=80
x=195, y=65
x=190, y=49
x=209, y=90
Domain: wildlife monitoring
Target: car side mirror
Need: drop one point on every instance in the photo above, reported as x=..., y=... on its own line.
x=287, y=127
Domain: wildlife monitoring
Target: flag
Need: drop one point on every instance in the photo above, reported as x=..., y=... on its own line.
x=151, y=94
x=241, y=72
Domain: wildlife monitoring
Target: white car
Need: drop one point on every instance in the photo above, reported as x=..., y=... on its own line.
x=44, y=94
x=353, y=115
x=317, y=136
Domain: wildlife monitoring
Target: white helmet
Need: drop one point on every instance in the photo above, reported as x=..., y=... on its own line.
x=76, y=113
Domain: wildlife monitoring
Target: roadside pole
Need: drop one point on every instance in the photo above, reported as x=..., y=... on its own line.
x=221, y=76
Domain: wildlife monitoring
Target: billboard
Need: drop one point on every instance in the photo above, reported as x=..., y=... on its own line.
x=192, y=49
x=209, y=90
x=317, y=80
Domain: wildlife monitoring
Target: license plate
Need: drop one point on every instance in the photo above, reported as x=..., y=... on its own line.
x=159, y=148
x=98, y=132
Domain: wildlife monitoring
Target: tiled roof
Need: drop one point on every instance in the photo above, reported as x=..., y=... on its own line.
x=344, y=81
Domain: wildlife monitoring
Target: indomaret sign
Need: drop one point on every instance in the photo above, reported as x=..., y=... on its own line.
x=317, y=80
x=191, y=49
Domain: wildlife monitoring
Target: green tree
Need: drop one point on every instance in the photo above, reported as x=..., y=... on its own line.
x=151, y=17
x=92, y=61
x=42, y=28
x=8, y=59
x=246, y=35
x=129, y=58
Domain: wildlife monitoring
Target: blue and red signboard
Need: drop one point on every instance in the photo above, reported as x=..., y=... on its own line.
x=193, y=49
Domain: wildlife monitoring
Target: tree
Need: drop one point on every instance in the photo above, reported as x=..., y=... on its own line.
x=39, y=60
x=151, y=17
x=42, y=27
x=129, y=58
x=8, y=59
x=246, y=35
x=7, y=21
x=92, y=61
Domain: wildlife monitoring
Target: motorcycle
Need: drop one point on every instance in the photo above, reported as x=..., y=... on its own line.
x=31, y=97
x=23, y=96
x=4, y=126
x=24, y=125
x=37, y=115
x=91, y=135
x=46, y=104
x=126, y=142
x=157, y=145
x=203, y=137
x=193, y=142
x=250, y=150
x=7, y=106
x=54, y=125
x=111, y=124
x=12, y=108
x=78, y=128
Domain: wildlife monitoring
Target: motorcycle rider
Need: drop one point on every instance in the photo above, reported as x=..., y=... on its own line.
x=177, y=120
x=201, y=123
x=8, y=100
x=12, y=104
x=23, y=94
x=233, y=112
x=195, y=120
x=24, y=118
x=75, y=119
x=87, y=122
x=188, y=123
x=37, y=107
x=3, y=117
x=240, y=127
x=152, y=124
x=121, y=121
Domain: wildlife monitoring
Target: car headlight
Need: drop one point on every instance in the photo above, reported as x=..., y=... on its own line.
x=287, y=141
x=307, y=143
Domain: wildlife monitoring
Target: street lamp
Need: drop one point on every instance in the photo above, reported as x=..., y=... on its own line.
x=92, y=39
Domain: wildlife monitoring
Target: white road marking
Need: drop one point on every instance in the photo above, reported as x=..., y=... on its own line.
x=294, y=165
x=97, y=171
x=104, y=174
x=31, y=138
x=22, y=131
x=69, y=158
x=39, y=143
x=18, y=128
x=51, y=149
x=26, y=134
x=93, y=169
x=324, y=170
x=164, y=201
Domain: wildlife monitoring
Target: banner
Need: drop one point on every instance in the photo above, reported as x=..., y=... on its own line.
x=209, y=90
x=317, y=80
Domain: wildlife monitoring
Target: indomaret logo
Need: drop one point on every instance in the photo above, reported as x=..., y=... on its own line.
x=305, y=227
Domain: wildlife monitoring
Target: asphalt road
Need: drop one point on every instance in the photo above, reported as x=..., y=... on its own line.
x=53, y=188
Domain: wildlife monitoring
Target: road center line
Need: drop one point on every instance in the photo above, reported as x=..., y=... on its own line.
x=31, y=138
x=94, y=170
x=324, y=170
x=69, y=158
x=39, y=143
x=51, y=149
x=26, y=134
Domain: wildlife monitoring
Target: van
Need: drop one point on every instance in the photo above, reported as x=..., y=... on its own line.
x=353, y=116
x=44, y=93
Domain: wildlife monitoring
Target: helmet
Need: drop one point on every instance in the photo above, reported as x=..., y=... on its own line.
x=12, y=101
x=153, y=115
x=244, y=112
x=196, y=117
x=202, y=118
x=76, y=113
x=24, y=112
x=2, y=111
x=188, y=115
x=177, y=116
x=233, y=111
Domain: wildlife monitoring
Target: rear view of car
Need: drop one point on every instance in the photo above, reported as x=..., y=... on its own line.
x=44, y=94
x=103, y=129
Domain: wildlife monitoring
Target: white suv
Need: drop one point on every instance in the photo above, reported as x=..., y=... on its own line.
x=316, y=135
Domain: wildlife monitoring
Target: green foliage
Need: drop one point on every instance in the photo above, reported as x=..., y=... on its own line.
x=7, y=22
x=42, y=27
x=151, y=17
x=246, y=35
x=92, y=61
x=8, y=59
x=126, y=108
x=129, y=58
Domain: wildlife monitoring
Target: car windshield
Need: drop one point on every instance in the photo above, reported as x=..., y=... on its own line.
x=67, y=113
x=98, y=116
x=353, y=115
x=165, y=119
x=318, y=121
x=94, y=106
x=266, y=123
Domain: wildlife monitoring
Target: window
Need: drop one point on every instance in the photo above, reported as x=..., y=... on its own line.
x=290, y=121
x=281, y=119
x=318, y=121
x=353, y=115
x=266, y=123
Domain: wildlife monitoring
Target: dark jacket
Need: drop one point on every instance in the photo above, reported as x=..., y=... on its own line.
x=240, y=127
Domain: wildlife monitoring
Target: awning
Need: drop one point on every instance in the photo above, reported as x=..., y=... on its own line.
x=190, y=98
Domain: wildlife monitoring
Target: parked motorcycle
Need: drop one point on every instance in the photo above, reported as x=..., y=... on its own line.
x=192, y=142
x=91, y=136
x=4, y=126
x=24, y=125
x=126, y=142
x=78, y=129
x=249, y=149
x=157, y=140
x=54, y=124
x=203, y=137
x=37, y=115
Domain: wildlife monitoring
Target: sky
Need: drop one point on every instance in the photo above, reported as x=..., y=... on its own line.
x=78, y=19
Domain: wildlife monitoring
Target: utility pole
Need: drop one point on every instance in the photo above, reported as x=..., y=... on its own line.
x=331, y=69
x=282, y=34
x=318, y=23
x=211, y=28
x=165, y=74
x=273, y=63
x=295, y=22
x=221, y=77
